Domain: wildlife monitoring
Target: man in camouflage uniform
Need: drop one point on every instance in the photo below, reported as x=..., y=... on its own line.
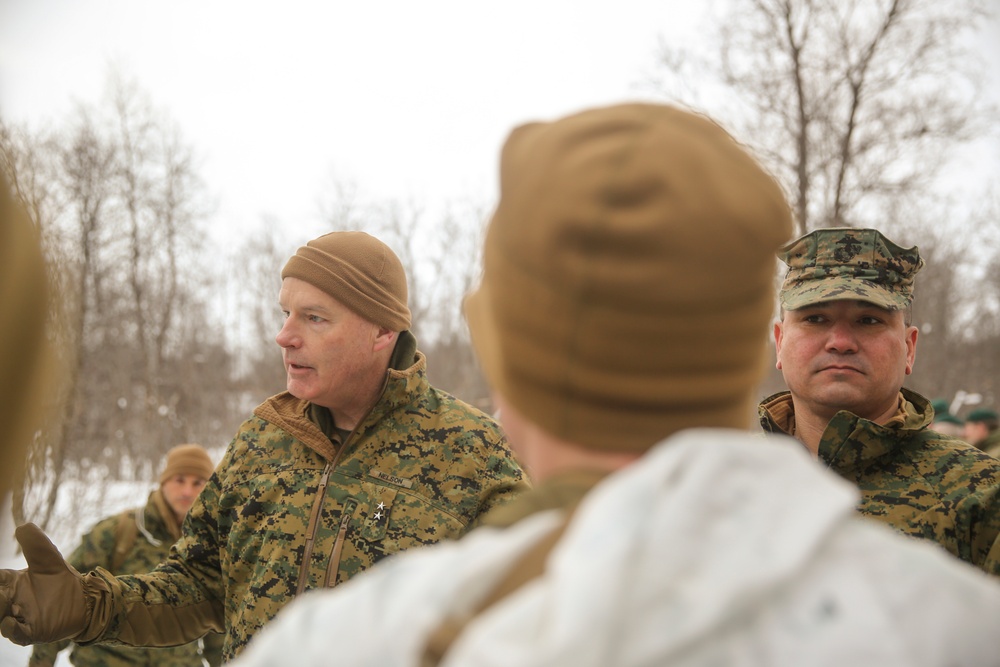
x=625, y=298
x=359, y=459
x=844, y=345
x=136, y=541
x=982, y=430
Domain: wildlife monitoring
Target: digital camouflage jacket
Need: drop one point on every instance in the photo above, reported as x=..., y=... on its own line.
x=153, y=537
x=291, y=509
x=918, y=481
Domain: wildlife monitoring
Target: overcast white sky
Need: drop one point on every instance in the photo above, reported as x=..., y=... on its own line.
x=405, y=98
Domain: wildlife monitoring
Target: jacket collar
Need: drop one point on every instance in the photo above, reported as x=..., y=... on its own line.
x=850, y=441
x=308, y=423
x=164, y=514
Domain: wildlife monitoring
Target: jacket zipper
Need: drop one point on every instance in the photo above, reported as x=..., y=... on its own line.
x=334, y=563
x=311, y=530
x=338, y=547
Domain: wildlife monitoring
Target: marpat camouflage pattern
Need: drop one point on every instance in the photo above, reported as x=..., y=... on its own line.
x=920, y=482
x=846, y=263
x=96, y=549
x=289, y=510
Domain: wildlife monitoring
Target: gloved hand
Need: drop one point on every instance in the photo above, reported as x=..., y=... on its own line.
x=45, y=602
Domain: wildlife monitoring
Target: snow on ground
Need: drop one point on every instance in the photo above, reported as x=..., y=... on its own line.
x=80, y=505
x=82, y=502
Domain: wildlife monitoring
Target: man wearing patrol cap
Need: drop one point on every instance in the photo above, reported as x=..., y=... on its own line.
x=948, y=424
x=944, y=421
x=845, y=344
x=982, y=430
x=360, y=458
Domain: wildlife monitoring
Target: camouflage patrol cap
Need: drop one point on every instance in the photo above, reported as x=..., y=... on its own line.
x=846, y=263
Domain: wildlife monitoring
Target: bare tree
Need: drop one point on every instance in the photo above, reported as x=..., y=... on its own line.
x=23, y=158
x=440, y=252
x=859, y=107
x=458, y=264
x=86, y=164
x=853, y=103
x=255, y=317
x=119, y=197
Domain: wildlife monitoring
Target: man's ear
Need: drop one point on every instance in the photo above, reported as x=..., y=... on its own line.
x=911, y=348
x=384, y=338
x=777, y=344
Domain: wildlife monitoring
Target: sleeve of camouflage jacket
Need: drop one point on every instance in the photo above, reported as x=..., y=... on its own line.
x=176, y=603
x=502, y=478
x=94, y=551
x=978, y=520
x=991, y=561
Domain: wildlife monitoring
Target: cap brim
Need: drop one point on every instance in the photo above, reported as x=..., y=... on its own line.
x=811, y=292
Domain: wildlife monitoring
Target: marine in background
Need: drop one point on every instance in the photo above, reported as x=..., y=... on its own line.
x=982, y=430
x=945, y=422
x=136, y=541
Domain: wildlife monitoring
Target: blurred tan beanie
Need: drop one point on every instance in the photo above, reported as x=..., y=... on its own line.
x=26, y=360
x=360, y=272
x=187, y=460
x=628, y=280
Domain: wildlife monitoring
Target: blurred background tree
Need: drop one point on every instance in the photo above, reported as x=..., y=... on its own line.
x=118, y=198
x=165, y=340
x=864, y=111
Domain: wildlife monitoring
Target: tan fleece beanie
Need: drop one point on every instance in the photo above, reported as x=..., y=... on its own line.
x=628, y=276
x=360, y=272
x=187, y=460
x=26, y=369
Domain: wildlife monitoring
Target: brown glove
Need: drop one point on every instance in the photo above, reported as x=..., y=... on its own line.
x=44, y=603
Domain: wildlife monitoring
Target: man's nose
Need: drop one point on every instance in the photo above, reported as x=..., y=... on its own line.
x=286, y=336
x=841, y=338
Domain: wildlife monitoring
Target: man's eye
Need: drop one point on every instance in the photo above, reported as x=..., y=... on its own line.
x=315, y=318
x=870, y=320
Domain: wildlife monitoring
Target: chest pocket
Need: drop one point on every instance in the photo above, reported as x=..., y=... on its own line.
x=377, y=514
